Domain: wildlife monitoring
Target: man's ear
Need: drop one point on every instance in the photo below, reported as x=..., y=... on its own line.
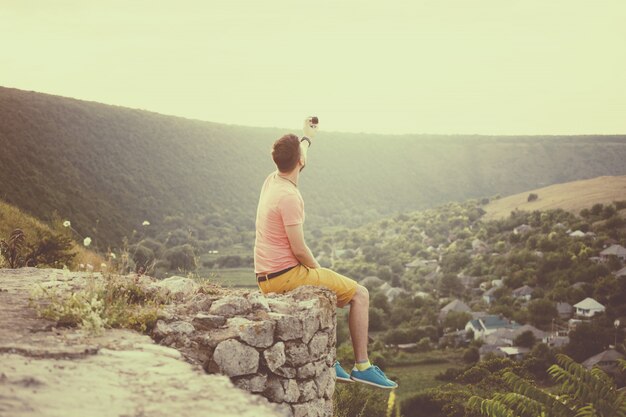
x=302, y=162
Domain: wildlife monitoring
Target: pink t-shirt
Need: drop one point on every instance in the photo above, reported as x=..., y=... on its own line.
x=280, y=205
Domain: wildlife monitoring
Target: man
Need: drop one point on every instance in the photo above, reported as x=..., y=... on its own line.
x=283, y=261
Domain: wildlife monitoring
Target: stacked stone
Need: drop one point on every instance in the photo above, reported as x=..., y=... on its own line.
x=279, y=346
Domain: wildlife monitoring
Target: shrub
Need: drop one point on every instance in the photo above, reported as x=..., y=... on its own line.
x=49, y=249
x=471, y=355
x=532, y=197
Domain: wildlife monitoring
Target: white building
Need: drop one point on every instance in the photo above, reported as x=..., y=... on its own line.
x=588, y=307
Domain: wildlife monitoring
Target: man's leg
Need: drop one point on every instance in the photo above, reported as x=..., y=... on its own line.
x=358, y=322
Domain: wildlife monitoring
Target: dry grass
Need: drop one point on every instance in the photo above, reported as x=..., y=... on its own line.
x=571, y=196
x=12, y=218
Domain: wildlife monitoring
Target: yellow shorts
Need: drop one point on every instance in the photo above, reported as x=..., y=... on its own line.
x=344, y=287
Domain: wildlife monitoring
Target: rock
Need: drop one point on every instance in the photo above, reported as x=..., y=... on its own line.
x=308, y=391
x=327, y=313
x=275, y=391
x=297, y=353
x=204, y=321
x=310, y=325
x=286, y=372
x=161, y=330
x=215, y=337
x=331, y=356
x=259, y=302
x=256, y=383
x=182, y=327
x=254, y=333
x=318, y=345
x=234, y=358
x=287, y=327
x=177, y=287
x=201, y=303
x=279, y=306
x=292, y=392
x=230, y=306
x=323, y=380
x=309, y=409
x=275, y=356
x=166, y=313
x=312, y=369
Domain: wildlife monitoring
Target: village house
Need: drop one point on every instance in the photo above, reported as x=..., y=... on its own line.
x=466, y=280
x=588, y=307
x=608, y=361
x=478, y=246
x=507, y=336
x=523, y=293
x=520, y=230
x=413, y=264
x=614, y=250
x=621, y=273
x=454, y=305
x=393, y=293
x=511, y=352
x=487, y=325
x=565, y=310
x=489, y=295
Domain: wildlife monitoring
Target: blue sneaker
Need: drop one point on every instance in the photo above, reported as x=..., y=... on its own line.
x=373, y=376
x=342, y=376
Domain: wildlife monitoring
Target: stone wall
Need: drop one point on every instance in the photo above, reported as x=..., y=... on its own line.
x=278, y=346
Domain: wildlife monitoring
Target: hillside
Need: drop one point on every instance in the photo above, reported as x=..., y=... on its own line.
x=12, y=218
x=109, y=168
x=571, y=196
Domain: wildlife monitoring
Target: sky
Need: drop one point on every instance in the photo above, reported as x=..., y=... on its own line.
x=495, y=67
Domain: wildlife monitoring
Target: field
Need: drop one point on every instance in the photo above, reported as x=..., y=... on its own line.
x=230, y=277
x=418, y=370
x=570, y=196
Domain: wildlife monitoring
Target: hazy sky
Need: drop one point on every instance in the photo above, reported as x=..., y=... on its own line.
x=436, y=66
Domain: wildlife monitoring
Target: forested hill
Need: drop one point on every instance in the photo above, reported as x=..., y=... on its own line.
x=112, y=167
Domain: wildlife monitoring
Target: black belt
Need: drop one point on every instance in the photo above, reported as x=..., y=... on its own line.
x=261, y=278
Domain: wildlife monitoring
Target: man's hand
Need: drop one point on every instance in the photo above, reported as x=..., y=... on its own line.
x=310, y=128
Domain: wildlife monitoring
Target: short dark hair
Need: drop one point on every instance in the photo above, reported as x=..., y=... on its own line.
x=286, y=152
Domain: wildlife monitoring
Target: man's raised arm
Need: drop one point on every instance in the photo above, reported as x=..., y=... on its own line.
x=310, y=130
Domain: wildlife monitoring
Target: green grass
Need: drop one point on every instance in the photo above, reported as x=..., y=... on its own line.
x=230, y=277
x=418, y=373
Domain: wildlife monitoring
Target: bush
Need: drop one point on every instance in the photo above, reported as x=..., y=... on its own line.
x=423, y=345
x=449, y=374
x=49, y=249
x=471, y=355
x=532, y=197
x=181, y=258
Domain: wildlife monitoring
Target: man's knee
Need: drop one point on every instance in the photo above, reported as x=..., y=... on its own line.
x=361, y=296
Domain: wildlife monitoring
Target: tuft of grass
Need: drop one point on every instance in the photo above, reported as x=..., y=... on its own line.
x=116, y=301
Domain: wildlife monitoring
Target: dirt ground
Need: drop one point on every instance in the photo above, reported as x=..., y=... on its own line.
x=49, y=372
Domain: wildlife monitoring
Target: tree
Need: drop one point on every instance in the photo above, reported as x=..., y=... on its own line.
x=587, y=340
x=450, y=285
x=377, y=319
x=526, y=339
x=456, y=320
x=181, y=257
x=581, y=393
x=541, y=312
